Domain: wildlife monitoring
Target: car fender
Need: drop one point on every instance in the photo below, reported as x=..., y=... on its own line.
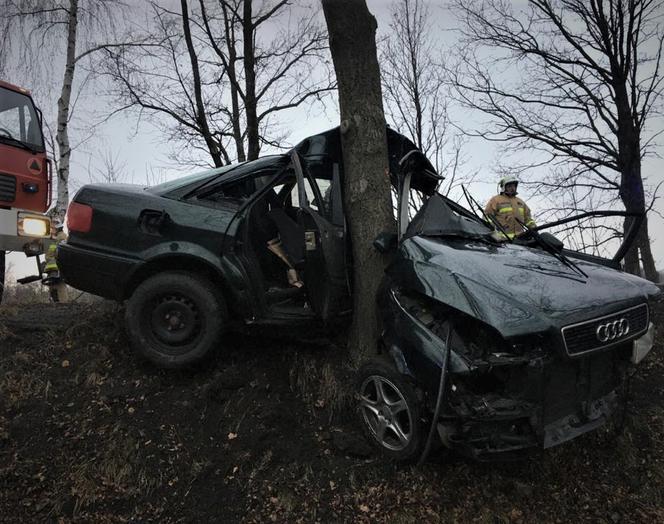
x=226, y=271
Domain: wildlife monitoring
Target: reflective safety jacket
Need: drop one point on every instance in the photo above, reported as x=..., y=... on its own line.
x=505, y=210
x=50, y=261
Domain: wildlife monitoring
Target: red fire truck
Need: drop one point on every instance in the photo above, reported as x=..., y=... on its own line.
x=25, y=177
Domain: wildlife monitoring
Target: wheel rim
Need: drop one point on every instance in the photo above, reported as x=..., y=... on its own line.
x=386, y=413
x=174, y=320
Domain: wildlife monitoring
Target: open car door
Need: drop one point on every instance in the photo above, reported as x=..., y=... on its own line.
x=320, y=214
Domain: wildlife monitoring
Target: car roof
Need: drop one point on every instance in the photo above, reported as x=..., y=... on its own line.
x=228, y=172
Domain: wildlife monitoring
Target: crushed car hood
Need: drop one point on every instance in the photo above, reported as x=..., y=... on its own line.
x=516, y=289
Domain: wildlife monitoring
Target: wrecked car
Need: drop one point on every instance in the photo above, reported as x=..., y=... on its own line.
x=491, y=347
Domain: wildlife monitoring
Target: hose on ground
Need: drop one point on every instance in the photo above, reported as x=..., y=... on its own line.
x=439, y=398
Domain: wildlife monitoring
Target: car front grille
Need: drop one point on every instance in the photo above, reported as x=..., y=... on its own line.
x=7, y=188
x=607, y=331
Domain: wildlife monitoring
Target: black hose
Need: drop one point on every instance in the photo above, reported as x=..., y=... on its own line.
x=439, y=398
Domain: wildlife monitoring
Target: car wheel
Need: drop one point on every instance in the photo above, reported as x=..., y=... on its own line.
x=175, y=319
x=389, y=411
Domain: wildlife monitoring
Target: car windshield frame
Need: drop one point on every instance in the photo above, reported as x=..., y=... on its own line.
x=10, y=100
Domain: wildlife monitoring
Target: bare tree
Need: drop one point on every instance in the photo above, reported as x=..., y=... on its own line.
x=574, y=82
x=46, y=28
x=352, y=31
x=108, y=167
x=414, y=86
x=243, y=77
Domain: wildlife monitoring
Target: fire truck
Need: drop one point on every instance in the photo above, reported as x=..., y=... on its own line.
x=25, y=177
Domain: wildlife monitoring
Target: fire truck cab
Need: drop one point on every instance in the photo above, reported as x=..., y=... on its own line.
x=25, y=176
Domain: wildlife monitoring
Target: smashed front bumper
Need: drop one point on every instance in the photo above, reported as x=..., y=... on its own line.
x=501, y=404
x=496, y=414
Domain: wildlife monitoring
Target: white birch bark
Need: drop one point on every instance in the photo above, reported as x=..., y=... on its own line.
x=62, y=136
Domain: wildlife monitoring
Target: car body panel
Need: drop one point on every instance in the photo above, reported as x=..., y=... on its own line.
x=515, y=289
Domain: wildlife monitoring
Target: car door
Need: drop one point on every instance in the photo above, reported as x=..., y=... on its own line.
x=321, y=215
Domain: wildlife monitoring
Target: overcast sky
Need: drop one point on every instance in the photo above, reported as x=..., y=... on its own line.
x=140, y=147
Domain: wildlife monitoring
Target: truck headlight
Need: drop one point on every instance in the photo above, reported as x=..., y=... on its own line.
x=31, y=226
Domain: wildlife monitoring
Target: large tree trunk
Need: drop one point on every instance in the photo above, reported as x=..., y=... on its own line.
x=367, y=199
x=253, y=144
x=62, y=135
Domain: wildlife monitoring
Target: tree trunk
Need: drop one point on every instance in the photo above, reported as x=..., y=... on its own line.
x=253, y=144
x=229, y=27
x=62, y=135
x=367, y=198
x=631, y=186
x=201, y=118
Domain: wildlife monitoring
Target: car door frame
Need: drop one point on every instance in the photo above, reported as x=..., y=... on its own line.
x=330, y=239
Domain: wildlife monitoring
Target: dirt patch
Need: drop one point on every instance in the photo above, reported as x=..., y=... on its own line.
x=90, y=433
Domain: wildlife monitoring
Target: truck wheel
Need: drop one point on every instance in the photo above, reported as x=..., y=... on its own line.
x=389, y=411
x=175, y=319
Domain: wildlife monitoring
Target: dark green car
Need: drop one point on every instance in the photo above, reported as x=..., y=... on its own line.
x=504, y=345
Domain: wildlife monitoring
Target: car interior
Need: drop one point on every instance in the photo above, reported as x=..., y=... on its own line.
x=279, y=241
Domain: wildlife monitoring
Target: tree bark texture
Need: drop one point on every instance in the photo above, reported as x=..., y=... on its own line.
x=367, y=198
x=62, y=135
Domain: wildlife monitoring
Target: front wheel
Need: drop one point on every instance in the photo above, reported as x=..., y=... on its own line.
x=175, y=319
x=389, y=411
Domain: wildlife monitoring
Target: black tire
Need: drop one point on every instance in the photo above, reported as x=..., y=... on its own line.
x=397, y=411
x=175, y=319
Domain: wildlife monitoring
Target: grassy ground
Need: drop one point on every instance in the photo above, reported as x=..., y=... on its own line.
x=89, y=433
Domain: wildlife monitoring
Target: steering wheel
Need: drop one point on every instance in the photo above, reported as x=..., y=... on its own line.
x=6, y=132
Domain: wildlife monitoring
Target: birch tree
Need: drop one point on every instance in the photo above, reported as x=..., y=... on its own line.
x=574, y=83
x=48, y=29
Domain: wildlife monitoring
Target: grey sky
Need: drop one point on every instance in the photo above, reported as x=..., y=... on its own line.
x=140, y=147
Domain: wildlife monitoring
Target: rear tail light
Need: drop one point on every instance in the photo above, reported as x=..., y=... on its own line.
x=79, y=217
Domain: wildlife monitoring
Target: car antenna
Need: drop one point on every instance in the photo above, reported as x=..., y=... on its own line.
x=471, y=201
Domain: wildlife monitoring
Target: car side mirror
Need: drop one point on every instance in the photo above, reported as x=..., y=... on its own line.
x=385, y=242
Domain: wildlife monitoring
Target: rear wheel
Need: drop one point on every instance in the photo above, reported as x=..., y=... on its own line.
x=390, y=411
x=175, y=319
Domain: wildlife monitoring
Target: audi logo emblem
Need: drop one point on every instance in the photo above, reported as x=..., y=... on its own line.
x=612, y=330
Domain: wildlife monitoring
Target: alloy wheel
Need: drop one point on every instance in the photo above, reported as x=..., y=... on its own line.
x=386, y=413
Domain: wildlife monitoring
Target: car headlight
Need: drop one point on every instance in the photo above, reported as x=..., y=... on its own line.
x=31, y=226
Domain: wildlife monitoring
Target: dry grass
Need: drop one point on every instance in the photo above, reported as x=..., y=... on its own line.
x=119, y=469
x=322, y=384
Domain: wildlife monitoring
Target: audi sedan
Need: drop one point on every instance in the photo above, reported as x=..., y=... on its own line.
x=491, y=346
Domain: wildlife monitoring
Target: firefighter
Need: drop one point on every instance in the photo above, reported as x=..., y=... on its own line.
x=57, y=287
x=506, y=209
